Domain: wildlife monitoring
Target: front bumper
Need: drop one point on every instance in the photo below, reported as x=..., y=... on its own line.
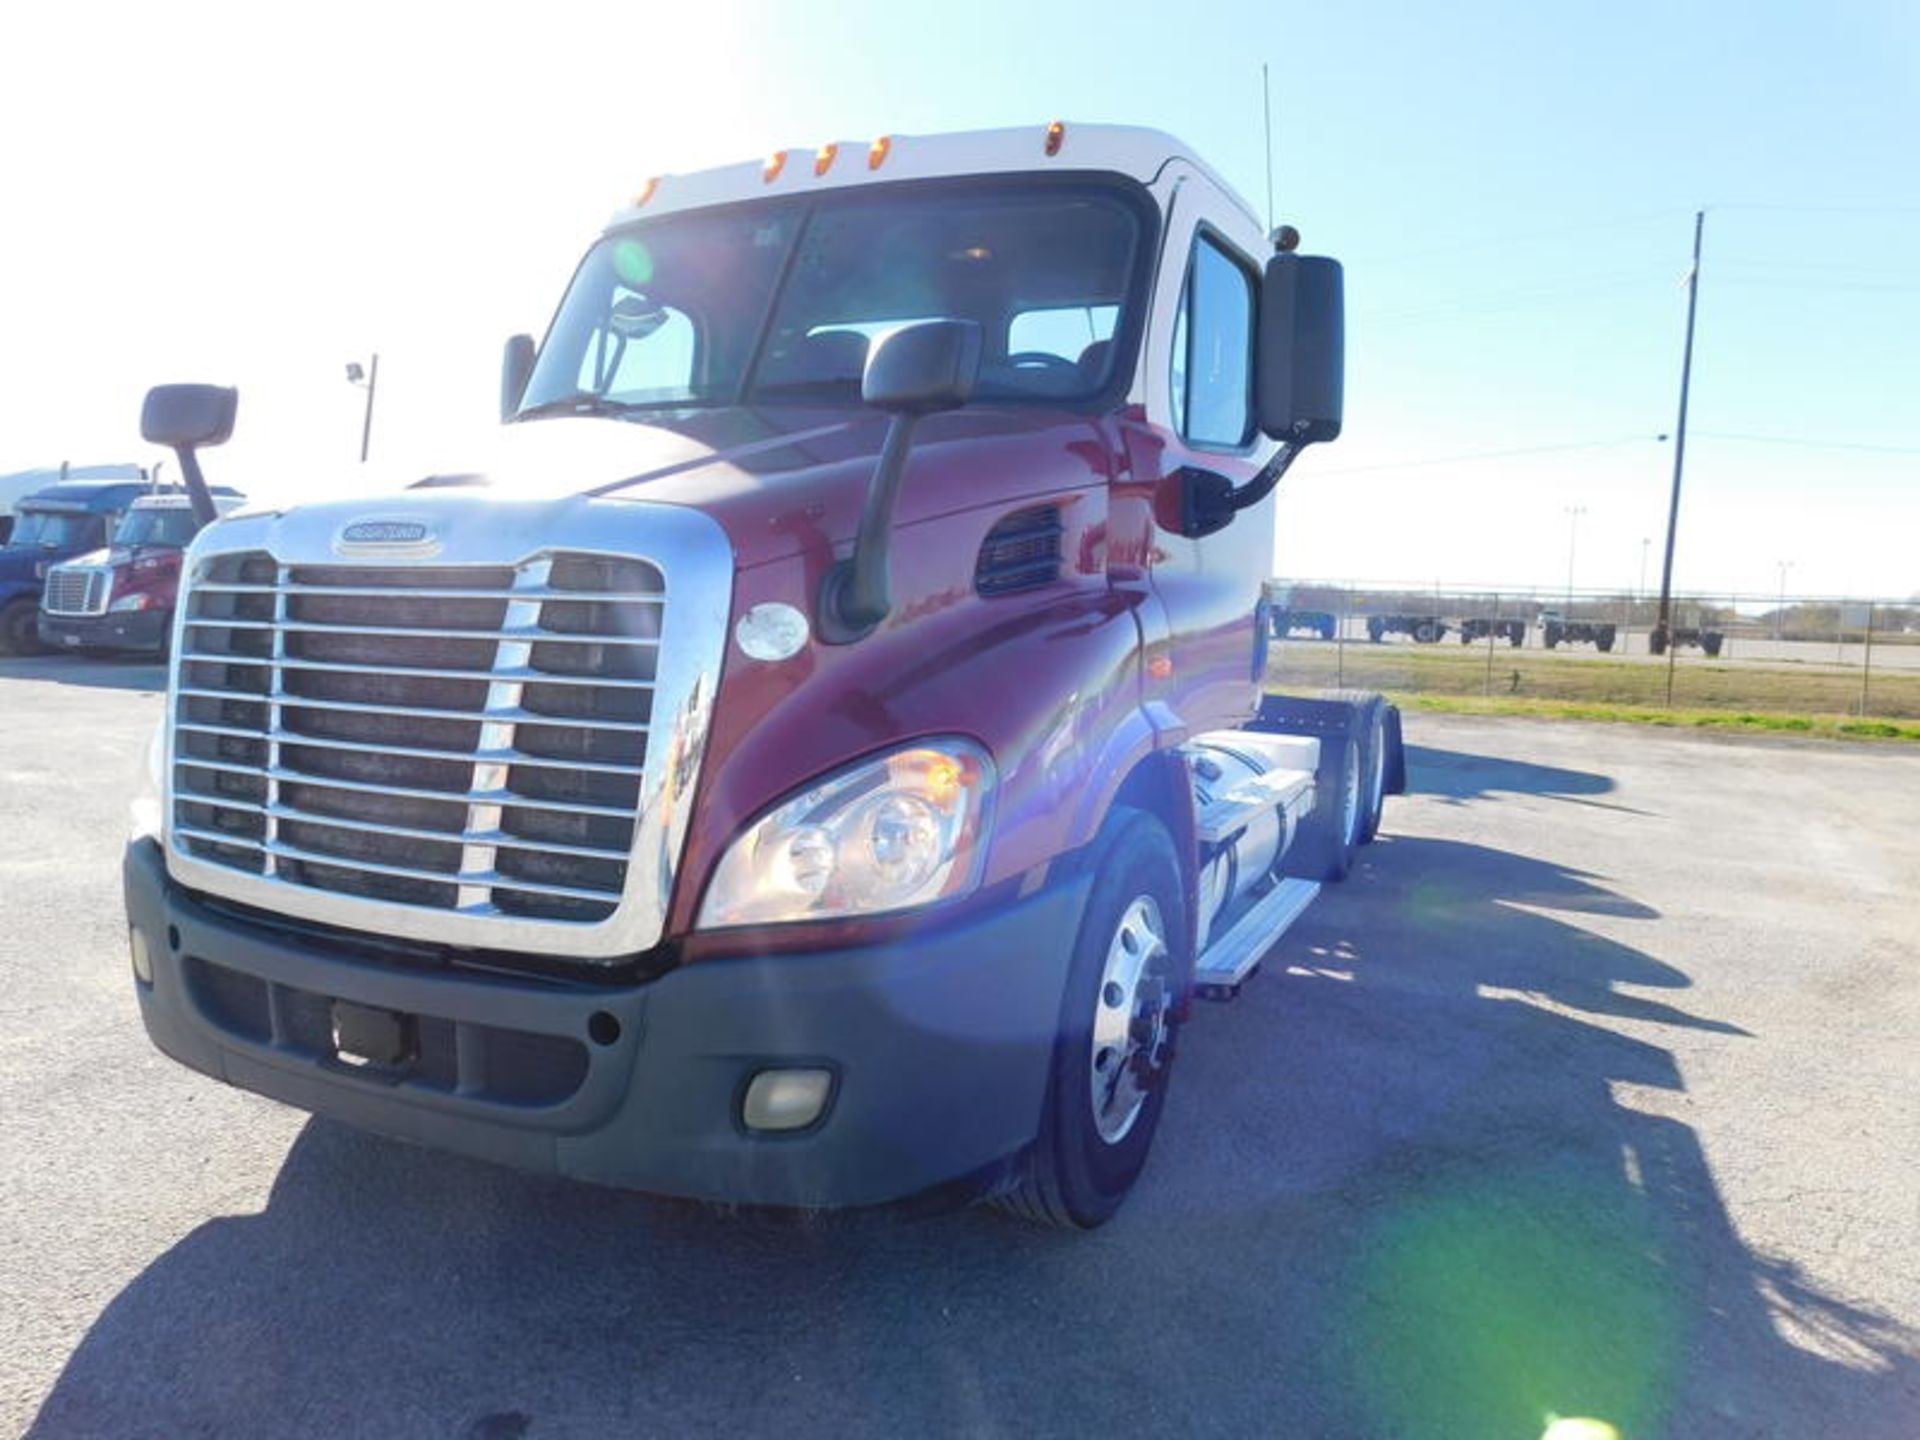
x=940, y=1047
x=115, y=630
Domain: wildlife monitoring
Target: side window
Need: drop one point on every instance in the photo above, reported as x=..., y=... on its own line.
x=642, y=351
x=1213, y=350
x=1064, y=332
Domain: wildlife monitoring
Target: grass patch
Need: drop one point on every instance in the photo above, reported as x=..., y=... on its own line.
x=1749, y=721
x=1749, y=695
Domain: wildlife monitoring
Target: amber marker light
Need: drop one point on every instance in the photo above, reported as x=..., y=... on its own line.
x=646, y=192
x=776, y=162
x=1056, y=133
x=945, y=778
x=823, y=158
x=878, y=151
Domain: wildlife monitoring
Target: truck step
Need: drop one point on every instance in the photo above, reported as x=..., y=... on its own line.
x=1227, y=963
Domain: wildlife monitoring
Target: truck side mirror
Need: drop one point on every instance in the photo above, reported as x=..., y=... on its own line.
x=1302, y=349
x=922, y=368
x=183, y=417
x=516, y=368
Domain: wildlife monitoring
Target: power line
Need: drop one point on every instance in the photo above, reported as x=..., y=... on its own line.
x=1523, y=238
x=1809, y=444
x=1503, y=302
x=1616, y=443
x=1498, y=454
x=1904, y=211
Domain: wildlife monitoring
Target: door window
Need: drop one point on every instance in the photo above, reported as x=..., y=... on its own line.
x=1212, y=374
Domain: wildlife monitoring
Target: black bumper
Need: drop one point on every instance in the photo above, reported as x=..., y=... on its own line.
x=115, y=630
x=939, y=1047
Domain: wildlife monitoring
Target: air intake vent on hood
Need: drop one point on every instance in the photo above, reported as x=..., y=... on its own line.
x=1021, y=552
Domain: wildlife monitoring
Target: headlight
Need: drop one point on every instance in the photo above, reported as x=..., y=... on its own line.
x=139, y=600
x=904, y=829
x=145, y=809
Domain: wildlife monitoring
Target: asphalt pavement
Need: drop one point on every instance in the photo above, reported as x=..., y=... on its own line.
x=1592, y=1093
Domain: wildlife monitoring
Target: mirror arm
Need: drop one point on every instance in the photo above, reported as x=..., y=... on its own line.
x=855, y=594
x=1261, y=485
x=198, y=496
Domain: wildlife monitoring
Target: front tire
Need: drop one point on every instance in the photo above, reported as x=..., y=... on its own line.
x=20, y=628
x=1119, y=1021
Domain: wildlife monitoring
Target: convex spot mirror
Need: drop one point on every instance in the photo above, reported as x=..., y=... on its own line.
x=516, y=368
x=186, y=416
x=1302, y=349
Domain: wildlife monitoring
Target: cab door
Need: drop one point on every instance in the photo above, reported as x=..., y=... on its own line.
x=1197, y=395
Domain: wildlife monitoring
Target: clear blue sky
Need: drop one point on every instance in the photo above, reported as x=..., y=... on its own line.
x=225, y=193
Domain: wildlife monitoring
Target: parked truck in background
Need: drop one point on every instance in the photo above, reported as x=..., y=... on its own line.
x=1514, y=632
x=122, y=598
x=1424, y=629
x=54, y=524
x=1700, y=636
x=1304, y=622
x=1556, y=629
x=817, y=757
x=1285, y=619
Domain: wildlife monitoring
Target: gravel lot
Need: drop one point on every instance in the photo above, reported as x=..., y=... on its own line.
x=1593, y=1092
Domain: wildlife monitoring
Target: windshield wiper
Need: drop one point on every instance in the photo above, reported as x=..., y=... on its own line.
x=584, y=403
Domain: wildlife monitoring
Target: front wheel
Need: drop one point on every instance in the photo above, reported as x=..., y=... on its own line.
x=1120, y=1017
x=20, y=628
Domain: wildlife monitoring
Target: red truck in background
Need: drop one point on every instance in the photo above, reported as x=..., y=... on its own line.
x=123, y=597
x=820, y=753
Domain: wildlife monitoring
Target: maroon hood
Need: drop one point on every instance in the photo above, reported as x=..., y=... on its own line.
x=785, y=479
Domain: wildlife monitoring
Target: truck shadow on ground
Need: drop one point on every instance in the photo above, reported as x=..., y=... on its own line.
x=1411, y=1184
x=1458, y=776
x=100, y=673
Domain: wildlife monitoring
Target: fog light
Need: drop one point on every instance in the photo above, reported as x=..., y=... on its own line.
x=785, y=1099
x=142, y=961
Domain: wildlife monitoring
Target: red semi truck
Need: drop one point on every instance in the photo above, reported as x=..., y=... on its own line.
x=819, y=754
x=123, y=597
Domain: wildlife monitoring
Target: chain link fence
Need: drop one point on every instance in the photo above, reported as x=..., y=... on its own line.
x=1778, y=654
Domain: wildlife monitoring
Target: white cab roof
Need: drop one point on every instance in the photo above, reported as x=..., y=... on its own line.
x=1119, y=149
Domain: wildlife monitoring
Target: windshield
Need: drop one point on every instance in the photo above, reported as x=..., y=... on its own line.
x=781, y=302
x=45, y=530
x=159, y=526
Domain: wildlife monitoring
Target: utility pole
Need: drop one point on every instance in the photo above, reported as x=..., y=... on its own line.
x=368, y=380
x=1664, y=623
x=1574, y=512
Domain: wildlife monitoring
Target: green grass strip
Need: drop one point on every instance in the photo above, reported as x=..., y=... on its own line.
x=1750, y=721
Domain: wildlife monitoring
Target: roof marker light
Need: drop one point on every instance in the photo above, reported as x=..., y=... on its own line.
x=878, y=151
x=646, y=192
x=823, y=158
x=1056, y=132
x=776, y=162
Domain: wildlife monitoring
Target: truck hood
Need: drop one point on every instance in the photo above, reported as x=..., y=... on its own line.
x=786, y=479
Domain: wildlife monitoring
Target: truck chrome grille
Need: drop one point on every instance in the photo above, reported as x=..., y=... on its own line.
x=76, y=590
x=468, y=738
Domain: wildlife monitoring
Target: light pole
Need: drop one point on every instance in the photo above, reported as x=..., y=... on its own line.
x=1665, y=623
x=368, y=380
x=1574, y=512
x=1780, y=613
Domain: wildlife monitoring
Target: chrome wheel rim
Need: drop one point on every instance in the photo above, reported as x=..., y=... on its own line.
x=1377, y=781
x=1132, y=1034
x=1350, y=796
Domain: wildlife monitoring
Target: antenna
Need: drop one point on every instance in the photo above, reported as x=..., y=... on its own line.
x=1266, y=104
